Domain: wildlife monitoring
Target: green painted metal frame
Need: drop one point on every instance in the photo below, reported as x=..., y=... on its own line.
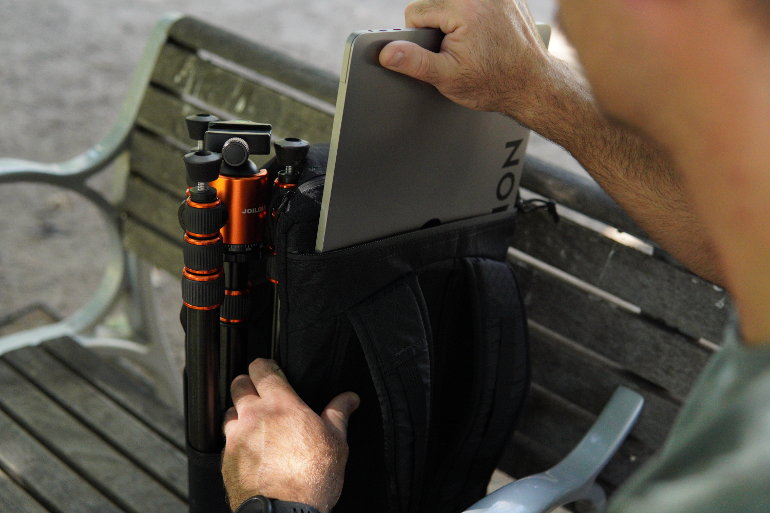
x=573, y=479
x=73, y=174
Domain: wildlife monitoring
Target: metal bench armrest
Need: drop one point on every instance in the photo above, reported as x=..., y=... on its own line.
x=573, y=479
x=73, y=174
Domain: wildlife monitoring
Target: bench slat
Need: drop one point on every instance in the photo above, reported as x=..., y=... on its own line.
x=154, y=207
x=589, y=384
x=158, y=162
x=145, y=448
x=15, y=499
x=676, y=297
x=556, y=426
x=44, y=475
x=667, y=359
x=122, y=388
x=269, y=61
x=186, y=74
x=95, y=460
x=165, y=254
x=164, y=114
x=577, y=192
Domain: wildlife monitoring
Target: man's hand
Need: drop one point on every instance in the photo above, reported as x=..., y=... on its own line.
x=491, y=59
x=278, y=447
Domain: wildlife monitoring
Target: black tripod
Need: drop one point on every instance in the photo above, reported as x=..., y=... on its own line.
x=223, y=218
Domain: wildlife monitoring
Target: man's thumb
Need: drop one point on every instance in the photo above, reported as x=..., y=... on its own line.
x=338, y=411
x=412, y=60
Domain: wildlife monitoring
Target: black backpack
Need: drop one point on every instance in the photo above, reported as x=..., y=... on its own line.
x=427, y=327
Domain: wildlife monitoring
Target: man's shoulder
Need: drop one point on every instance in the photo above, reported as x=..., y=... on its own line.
x=717, y=458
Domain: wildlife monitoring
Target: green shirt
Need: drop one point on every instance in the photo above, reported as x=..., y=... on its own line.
x=717, y=456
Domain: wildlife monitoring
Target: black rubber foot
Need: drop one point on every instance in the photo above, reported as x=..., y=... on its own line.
x=207, y=492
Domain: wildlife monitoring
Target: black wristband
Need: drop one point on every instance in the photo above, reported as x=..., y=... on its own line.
x=261, y=504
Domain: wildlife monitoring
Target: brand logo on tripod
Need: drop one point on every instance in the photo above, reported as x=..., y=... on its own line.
x=256, y=210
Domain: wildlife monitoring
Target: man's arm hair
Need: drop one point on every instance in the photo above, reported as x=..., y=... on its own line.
x=633, y=171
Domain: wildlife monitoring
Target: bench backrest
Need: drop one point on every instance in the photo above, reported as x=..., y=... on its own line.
x=605, y=308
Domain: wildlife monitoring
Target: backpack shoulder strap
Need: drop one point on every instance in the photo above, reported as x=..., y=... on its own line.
x=394, y=331
x=498, y=355
x=500, y=323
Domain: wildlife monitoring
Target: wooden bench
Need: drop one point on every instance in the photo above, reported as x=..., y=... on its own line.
x=605, y=306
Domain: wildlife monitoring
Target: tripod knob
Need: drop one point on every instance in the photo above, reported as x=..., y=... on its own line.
x=235, y=151
x=198, y=124
x=290, y=153
x=202, y=166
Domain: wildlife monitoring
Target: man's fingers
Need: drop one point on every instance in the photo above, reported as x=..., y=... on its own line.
x=242, y=387
x=412, y=60
x=426, y=13
x=338, y=412
x=268, y=378
x=228, y=422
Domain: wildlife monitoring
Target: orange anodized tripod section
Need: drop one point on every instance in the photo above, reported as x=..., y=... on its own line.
x=245, y=198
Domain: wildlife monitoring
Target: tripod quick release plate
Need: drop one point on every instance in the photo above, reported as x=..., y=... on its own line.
x=256, y=135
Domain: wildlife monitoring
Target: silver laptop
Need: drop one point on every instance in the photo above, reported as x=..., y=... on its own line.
x=403, y=157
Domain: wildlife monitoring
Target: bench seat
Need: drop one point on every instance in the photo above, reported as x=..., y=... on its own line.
x=82, y=435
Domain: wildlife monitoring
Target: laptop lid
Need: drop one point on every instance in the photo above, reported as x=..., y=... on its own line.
x=402, y=156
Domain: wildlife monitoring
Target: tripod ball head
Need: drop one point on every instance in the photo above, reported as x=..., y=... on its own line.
x=197, y=125
x=235, y=151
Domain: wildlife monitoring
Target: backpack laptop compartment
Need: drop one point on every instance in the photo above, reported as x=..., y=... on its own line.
x=427, y=327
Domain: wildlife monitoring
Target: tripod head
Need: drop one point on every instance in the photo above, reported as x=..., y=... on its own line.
x=233, y=138
x=234, y=141
x=222, y=162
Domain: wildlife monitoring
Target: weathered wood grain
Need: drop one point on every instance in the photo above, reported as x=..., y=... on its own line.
x=660, y=356
x=674, y=296
x=269, y=61
x=158, y=162
x=44, y=474
x=122, y=388
x=154, y=207
x=153, y=247
x=133, y=439
x=15, y=499
x=89, y=455
x=588, y=382
x=188, y=75
x=164, y=115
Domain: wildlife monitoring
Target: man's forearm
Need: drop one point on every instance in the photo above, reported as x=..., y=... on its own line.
x=634, y=172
